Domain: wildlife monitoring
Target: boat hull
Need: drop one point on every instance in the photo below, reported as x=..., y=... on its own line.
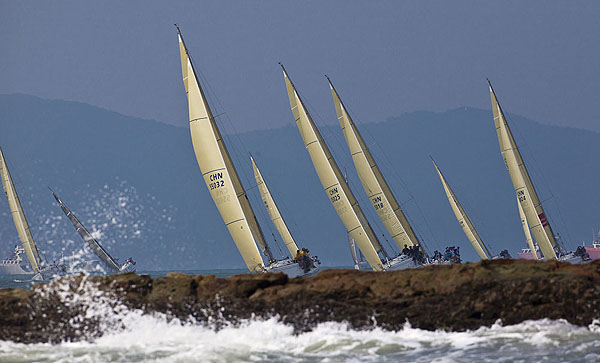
x=290, y=268
x=401, y=262
x=13, y=268
x=594, y=252
x=528, y=255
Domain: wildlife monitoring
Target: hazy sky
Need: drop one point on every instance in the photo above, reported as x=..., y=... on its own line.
x=385, y=57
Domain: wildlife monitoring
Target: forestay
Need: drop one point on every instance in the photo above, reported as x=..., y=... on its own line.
x=378, y=191
x=336, y=189
x=526, y=194
x=218, y=171
x=273, y=211
x=19, y=216
x=463, y=219
x=87, y=236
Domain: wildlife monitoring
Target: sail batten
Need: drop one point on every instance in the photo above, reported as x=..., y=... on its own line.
x=218, y=171
x=463, y=219
x=376, y=187
x=273, y=211
x=332, y=180
x=524, y=189
x=18, y=215
x=92, y=243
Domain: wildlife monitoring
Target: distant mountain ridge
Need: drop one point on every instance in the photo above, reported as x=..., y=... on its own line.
x=137, y=181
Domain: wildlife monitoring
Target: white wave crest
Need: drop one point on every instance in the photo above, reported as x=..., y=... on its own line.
x=130, y=336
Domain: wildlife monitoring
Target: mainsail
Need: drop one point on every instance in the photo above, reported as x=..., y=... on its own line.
x=273, y=211
x=337, y=190
x=463, y=219
x=526, y=194
x=19, y=217
x=87, y=236
x=219, y=172
x=378, y=191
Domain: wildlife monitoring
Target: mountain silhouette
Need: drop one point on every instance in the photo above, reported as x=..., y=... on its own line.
x=136, y=182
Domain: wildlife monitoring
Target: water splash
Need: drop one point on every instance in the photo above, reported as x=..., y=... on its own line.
x=131, y=336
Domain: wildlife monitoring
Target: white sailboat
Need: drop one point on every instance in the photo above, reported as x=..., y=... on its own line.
x=376, y=187
x=463, y=219
x=222, y=180
x=93, y=244
x=531, y=208
x=337, y=190
x=279, y=222
x=41, y=271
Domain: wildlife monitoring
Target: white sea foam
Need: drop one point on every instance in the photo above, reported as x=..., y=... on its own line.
x=131, y=336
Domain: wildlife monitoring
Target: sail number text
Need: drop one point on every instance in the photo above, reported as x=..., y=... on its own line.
x=216, y=181
x=521, y=195
x=377, y=203
x=334, y=196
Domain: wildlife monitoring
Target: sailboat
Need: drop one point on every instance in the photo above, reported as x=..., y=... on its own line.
x=463, y=219
x=530, y=206
x=41, y=270
x=338, y=191
x=222, y=180
x=376, y=187
x=93, y=244
x=310, y=267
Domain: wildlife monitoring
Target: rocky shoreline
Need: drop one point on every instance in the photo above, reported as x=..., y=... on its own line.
x=449, y=297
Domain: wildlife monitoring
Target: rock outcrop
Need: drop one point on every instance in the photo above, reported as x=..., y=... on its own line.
x=450, y=297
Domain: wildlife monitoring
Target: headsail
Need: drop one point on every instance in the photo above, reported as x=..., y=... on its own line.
x=19, y=217
x=378, y=191
x=527, y=232
x=273, y=211
x=337, y=190
x=218, y=171
x=87, y=236
x=463, y=219
x=526, y=194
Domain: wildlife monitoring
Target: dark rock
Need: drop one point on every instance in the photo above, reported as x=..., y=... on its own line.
x=450, y=297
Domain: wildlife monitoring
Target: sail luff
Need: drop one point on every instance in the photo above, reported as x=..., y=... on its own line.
x=87, y=237
x=463, y=219
x=527, y=232
x=18, y=215
x=525, y=191
x=376, y=187
x=218, y=171
x=332, y=180
x=273, y=211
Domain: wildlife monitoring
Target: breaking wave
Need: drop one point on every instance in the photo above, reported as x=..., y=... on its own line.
x=130, y=336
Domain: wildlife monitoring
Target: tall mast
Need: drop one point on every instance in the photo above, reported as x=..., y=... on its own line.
x=463, y=219
x=378, y=191
x=525, y=191
x=219, y=172
x=87, y=236
x=336, y=188
x=19, y=217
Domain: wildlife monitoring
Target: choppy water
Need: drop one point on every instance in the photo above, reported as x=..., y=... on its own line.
x=154, y=338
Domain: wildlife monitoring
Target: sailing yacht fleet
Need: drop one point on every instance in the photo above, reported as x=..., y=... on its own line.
x=231, y=200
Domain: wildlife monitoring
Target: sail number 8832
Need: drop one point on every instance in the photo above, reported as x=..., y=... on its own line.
x=216, y=185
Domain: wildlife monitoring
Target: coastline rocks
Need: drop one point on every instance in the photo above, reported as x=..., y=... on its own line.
x=449, y=297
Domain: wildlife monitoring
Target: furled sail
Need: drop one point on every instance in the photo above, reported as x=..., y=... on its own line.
x=219, y=172
x=379, y=193
x=336, y=188
x=87, y=236
x=526, y=194
x=273, y=211
x=527, y=232
x=19, y=217
x=463, y=219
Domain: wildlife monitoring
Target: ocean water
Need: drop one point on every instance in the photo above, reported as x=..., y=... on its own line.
x=155, y=338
